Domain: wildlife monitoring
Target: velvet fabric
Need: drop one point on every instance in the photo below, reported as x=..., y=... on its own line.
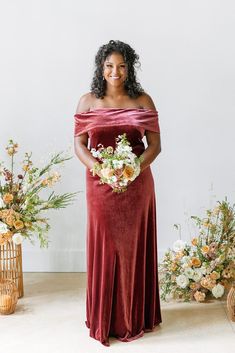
x=122, y=297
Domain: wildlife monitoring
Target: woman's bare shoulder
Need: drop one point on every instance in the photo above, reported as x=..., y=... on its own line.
x=85, y=102
x=146, y=101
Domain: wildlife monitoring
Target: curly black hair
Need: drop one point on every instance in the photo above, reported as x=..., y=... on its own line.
x=98, y=85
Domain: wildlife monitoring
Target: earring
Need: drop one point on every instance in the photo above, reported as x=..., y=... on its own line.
x=103, y=78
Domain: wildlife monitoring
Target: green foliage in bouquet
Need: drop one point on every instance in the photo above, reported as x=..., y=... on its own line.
x=205, y=267
x=22, y=206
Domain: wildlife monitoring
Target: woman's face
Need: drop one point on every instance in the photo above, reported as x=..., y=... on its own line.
x=115, y=69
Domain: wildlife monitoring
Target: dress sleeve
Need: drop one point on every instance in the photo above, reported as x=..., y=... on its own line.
x=149, y=121
x=81, y=124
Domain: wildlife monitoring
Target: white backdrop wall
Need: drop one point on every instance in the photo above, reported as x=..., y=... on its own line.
x=187, y=54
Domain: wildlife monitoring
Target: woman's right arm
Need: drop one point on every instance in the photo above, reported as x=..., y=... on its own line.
x=81, y=141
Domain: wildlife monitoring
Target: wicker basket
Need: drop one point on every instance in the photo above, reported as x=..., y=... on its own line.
x=8, y=296
x=231, y=302
x=11, y=265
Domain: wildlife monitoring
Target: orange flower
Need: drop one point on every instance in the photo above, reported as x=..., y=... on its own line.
x=214, y=275
x=9, y=220
x=194, y=241
x=205, y=249
x=25, y=167
x=128, y=172
x=207, y=282
x=45, y=182
x=199, y=296
x=7, y=235
x=7, y=198
x=2, y=239
x=18, y=224
x=196, y=262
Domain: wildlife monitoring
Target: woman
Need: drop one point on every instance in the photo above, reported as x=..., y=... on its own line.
x=122, y=283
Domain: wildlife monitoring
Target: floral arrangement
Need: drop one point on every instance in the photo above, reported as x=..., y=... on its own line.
x=21, y=205
x=116, y=167
x=205, y=267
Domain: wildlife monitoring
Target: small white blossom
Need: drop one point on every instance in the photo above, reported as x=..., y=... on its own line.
x=117, y=164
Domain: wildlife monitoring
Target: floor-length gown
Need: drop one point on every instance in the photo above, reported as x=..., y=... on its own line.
x=122, y=298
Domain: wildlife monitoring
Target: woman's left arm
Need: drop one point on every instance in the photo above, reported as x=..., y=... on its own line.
x=153, y=149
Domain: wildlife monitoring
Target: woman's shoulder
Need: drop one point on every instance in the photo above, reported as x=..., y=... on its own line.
x=145, y=101
x=85, y=102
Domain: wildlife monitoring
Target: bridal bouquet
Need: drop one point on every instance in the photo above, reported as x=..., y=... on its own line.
x=116, y=167
x=206, y=266
x=21, y=205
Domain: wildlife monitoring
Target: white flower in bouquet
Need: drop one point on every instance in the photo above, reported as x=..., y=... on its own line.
x=17, y=238
x=189, y=272
x=3, y=228
x=218, y=290
x=179, y=245
x=197, y=276
x=117, y=164
x=182, y=281
x=186, y=260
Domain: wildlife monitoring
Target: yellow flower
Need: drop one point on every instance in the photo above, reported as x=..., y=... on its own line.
x=173, y=266
x=25, y=167
x=205, y=249
x=214, y=275
x=7, y=198
x=195, y=262
x=194, y=241
x=193, y=285
x=11, y=151
x=45, y=182
x=18, y=224
x=128, y=172
x=110, y=149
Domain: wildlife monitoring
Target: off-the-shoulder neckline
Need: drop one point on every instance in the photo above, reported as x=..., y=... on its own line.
x=109, y=108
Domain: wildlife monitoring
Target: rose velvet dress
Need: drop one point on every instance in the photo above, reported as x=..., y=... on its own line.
x=122, y=297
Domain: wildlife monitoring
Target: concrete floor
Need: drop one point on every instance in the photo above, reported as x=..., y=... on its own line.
x=50, y=318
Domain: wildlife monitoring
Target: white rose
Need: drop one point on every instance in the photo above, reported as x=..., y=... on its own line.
x=182, y=281
x=17, y=238
x=2, y=204
x=197, y=275
x=189, y=272
x=3, y=228
x=218, y=290
x=203, y=270
x=179, y=245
